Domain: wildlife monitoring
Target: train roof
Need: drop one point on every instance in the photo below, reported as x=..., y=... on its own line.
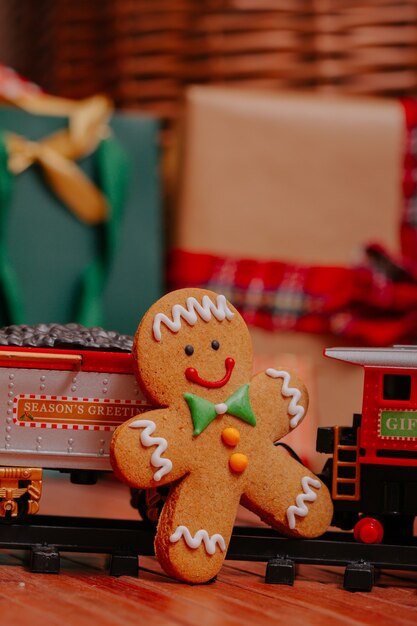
x=396, y=356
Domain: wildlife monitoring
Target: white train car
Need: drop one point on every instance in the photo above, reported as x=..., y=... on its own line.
x=60, y=406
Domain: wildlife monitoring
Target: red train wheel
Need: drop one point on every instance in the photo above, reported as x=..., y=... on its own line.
x=368, y=530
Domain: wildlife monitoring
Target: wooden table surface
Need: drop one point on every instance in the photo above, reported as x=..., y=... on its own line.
x=83, y=594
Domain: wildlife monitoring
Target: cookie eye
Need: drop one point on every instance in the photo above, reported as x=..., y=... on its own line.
x=215, y=344
x=189, y=350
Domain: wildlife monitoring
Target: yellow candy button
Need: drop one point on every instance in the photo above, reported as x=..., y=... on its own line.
x=231, y=436
x=238, y=462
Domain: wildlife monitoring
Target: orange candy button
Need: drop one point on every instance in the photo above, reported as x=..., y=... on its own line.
x=231, y=436
x=238, y=462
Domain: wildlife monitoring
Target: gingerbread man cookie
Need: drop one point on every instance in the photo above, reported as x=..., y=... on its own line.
x=214, y=438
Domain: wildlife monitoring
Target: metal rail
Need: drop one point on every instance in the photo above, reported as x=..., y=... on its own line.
x=79, y=534
x=332, y=548
x=124, y=541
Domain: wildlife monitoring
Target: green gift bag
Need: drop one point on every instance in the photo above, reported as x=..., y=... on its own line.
x=55, y=267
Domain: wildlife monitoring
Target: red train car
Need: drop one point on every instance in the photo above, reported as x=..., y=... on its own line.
x=372, y=473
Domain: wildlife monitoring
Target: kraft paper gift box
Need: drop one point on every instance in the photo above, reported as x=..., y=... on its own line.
x=50, y=259
x=301, y=178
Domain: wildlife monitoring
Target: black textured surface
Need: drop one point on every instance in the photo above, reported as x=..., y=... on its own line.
x=247, y=543
x=66, y=336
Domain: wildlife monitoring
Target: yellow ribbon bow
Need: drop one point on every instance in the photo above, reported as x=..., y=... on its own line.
x=87, y=126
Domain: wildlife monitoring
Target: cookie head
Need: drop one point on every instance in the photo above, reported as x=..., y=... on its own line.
x=192, y=340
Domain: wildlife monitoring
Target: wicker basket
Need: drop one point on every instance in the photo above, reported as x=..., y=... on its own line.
x=145, y=52
x=366, y=47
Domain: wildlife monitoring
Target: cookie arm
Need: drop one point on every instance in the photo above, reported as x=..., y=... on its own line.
x=195, y=527
x=142, y=452
x=286, y=495
x=279, y=400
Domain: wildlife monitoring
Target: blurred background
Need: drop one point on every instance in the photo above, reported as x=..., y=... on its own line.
x=273, y=146
x=144, y=53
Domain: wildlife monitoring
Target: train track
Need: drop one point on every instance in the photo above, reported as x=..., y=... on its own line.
x=46, y=536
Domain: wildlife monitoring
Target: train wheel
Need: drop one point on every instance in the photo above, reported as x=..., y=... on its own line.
x=398, y=529
x=22, y=512
x=368, y=530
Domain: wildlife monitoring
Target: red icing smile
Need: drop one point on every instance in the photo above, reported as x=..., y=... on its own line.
x=191, y=374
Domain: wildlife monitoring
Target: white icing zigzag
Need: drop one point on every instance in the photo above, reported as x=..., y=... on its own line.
x=294, y=409
x=147, y=440
x=200, y=537
x=300, y=508
x=220, y=311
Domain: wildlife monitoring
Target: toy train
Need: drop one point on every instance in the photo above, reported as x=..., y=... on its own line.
x=64, y=389
x=372, y=473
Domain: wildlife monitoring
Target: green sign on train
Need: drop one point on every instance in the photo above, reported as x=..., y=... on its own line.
x=398, y=424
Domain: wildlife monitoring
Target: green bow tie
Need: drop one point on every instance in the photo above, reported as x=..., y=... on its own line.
x=203, y=412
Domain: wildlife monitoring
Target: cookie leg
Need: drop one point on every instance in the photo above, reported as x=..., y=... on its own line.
x=286, y=495
x=195, y=527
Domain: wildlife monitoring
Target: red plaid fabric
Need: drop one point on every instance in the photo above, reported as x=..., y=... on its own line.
x=374, y=303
